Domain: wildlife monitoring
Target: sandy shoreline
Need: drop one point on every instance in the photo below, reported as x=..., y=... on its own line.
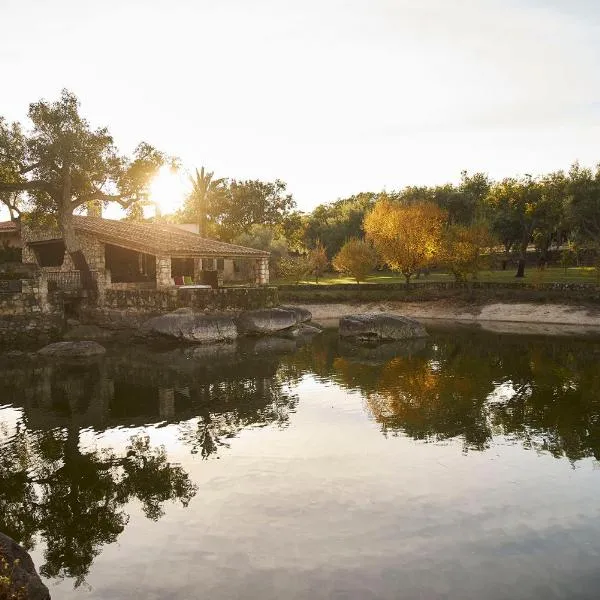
x=505, y=317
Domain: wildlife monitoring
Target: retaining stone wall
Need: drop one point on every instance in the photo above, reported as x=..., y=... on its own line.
x=30, y=316
x=129, y=308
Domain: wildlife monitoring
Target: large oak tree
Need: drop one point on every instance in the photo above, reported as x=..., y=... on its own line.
x=61, y=165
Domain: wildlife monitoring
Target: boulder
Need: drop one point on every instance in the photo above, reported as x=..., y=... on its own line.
x=303, y=315
x=266, y=320
x=300, y=331
x=78, y=350
x=16, y=564
x=192, y=327
x=379, y=327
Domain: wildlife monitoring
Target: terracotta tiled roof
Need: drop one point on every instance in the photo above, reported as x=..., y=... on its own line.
x=8, y=226
x=160, y=238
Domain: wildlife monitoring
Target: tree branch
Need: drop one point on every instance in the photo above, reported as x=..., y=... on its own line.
x=98, y=195
x=29, y=168
x=24, y=186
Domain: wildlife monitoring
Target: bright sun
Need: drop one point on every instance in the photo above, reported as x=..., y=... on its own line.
x=168, y=190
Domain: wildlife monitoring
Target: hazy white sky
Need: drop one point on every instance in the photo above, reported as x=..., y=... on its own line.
x=333, y=96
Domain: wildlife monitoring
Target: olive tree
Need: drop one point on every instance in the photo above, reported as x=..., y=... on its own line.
x=63, y=165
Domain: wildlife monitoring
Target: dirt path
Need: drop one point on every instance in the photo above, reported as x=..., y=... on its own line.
x=512, y=316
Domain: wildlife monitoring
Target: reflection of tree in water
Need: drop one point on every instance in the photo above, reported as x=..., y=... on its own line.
x=545, y=393
x=241, y=404
x=75, y=499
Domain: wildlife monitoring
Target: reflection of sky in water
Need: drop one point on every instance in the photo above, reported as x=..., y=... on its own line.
x=325, y=506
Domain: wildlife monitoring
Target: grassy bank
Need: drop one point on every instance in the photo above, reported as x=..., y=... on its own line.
x=477, y=293
x=533, y=276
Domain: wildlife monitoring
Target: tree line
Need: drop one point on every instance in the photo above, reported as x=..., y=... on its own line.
x=60, y=165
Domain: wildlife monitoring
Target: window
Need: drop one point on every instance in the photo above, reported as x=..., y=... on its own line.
x=220, y=264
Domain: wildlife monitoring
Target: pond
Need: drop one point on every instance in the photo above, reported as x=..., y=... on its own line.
x=461, y=466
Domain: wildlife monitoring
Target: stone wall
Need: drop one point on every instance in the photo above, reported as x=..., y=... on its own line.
x=30, y=316
x=128, y=308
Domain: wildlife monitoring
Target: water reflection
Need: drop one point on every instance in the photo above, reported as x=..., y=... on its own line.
x=74, y=498
x=541, y=392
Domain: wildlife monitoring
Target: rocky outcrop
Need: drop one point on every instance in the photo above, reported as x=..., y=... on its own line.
x=380, y=327
x=74, y=350
x=185, y=325
x=17, y=566
x=303, y=330
x=303, y=315
x=268, y=320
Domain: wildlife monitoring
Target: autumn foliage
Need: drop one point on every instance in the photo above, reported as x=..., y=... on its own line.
x=356, y=258
x=407, y=236
x=463, y=249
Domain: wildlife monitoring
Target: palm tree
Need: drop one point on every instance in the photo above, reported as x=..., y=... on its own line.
x=204, y=189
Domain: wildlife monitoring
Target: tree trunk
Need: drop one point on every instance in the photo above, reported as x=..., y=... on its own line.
x=73, y=247
x=521, y=268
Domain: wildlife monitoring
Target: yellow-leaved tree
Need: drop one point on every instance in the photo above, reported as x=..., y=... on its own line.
x=463, y=249
x=407, y=236
x=356, y=258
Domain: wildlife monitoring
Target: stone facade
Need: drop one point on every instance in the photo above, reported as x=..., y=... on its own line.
x=32, y=315
x=163, y=272
x=95, y=251
x=262, y=271
x=124, y=309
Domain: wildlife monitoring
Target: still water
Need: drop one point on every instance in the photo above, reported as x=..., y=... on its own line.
x=463, y=466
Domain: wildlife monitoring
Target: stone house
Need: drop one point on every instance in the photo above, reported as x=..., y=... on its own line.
x=134, y=255
x=9, y=235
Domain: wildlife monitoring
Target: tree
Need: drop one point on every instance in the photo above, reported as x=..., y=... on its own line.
x=515, y=205
x=294, y=268
x=584, y=207
x=234, y=206
x=407, y=237
x=204, y=190
x=463, y=248
x=333, y=224
x=356, y=258
x=62, y=164
x=318, y=260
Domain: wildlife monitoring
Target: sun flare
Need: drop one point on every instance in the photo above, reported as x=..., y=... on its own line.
x=168, y=190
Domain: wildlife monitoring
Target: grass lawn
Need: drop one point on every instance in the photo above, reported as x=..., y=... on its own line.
x=533, y=275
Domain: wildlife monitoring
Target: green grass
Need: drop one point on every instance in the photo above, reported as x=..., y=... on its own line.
x=533, y=275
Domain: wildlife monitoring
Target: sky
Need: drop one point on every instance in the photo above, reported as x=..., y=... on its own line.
x=334, y=97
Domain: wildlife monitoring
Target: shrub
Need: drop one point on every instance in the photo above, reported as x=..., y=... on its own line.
x=356, y=258
x=463, y=249
x=294, y=268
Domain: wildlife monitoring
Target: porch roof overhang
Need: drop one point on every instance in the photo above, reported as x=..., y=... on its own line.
x=160, y=239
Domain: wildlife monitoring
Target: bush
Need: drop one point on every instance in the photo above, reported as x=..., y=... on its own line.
x=356, y=258
x=463, y=249
x=294, y=268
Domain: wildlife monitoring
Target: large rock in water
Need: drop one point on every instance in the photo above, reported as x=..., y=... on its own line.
x=78, y=350
x=270, y=320
x=23, y=575
x=192, y=327
x=380, y=327
x=303, y=315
